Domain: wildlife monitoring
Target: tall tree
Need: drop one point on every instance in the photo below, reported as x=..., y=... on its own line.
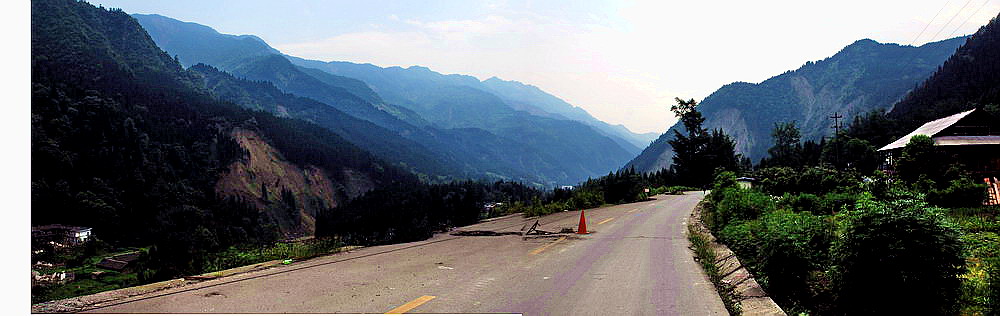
x=697, y=153
x=787, y=149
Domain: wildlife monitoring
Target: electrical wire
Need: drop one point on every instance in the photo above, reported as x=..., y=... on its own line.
x=949, y=20
x=929, y=22
x=969, y=18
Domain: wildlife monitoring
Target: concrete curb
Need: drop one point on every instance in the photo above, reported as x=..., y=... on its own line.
x=752, y=298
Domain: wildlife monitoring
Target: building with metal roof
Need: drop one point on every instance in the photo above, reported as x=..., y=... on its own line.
x=971, y=137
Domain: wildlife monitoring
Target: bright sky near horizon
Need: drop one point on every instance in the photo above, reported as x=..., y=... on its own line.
x=622, y=61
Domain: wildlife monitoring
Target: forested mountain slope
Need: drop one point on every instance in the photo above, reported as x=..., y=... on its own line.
x=125, y=140
x=264, y=96
x=863, y=76
x=970, y=78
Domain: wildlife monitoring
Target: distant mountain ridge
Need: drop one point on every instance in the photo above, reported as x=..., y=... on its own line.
x=863, y=76
x=526, y=97
x=470, y=128
x=421, y=89
x=453, y=101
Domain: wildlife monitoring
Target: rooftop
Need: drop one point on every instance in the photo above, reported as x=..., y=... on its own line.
x=930, y=129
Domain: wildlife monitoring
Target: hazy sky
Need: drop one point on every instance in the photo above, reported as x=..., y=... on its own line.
x=622, y=61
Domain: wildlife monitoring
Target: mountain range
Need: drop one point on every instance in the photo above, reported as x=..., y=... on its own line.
x=489, y=129
x=127, y=141
x=863, y=76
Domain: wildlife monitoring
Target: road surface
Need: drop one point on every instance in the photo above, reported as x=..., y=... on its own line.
x=635, y=262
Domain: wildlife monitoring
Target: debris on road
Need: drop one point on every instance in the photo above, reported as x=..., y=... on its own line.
x=481, y=233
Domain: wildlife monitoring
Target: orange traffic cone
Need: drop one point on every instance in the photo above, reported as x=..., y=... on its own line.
x=583, y=224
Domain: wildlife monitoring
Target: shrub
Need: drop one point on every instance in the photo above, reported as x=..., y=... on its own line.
x=959, y=193
x=787, y=252
x=802, y=202
x=791, y=247
x=897, y=257
x=741, y=237
x=777, y=180
x=586, y=199
x=740, y=204
x=724, y=180
x=832, y=203
x=679, y=189
x=814, y=180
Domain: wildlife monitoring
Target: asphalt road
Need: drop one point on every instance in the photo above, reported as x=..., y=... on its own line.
x=635, y=262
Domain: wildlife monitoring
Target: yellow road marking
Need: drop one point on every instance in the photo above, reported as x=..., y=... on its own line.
x=411, y=305
x=542, y=248
x=633, y=210
x=605, y=221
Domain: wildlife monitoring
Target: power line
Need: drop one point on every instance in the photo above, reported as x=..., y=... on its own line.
x=949, y=20
x=969, y=18
x=929, y=22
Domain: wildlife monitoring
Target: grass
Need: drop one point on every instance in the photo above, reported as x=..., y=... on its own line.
x=83, y=284
x=706, y=256
x=981, y=238
x=238, y=257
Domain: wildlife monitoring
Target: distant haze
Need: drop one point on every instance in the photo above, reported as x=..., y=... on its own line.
x=623, y=62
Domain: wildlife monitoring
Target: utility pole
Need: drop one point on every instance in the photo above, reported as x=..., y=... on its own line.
x=836, y=123
x=836, y=144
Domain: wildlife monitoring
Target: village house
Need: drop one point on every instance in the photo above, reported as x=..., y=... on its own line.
x=120, y=263
x=68, y=235
x=972, y=137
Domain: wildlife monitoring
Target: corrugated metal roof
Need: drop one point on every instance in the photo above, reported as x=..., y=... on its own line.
x=929, y=129
x=966, y=140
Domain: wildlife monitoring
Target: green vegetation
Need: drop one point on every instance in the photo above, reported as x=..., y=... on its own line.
x=875, y=255
x=81, y=261
x=705, y=255
x=698, y=153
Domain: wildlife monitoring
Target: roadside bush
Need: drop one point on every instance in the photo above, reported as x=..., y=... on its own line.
x=679, y=189
x=819, y=180
x=959, y=193
x=777, y=180
x=897, y=257
x=788, y=252
x=741, y=237
x=724, y=180
x=815, y=180
x=740, y=204
x=586, y=199
x=831, y=203
x=802, y=202
x=791, y=249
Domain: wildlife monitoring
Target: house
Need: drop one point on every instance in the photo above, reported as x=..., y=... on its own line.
x=70, y=235
x=972, y=137
x=745, y=182
x=119, y=262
